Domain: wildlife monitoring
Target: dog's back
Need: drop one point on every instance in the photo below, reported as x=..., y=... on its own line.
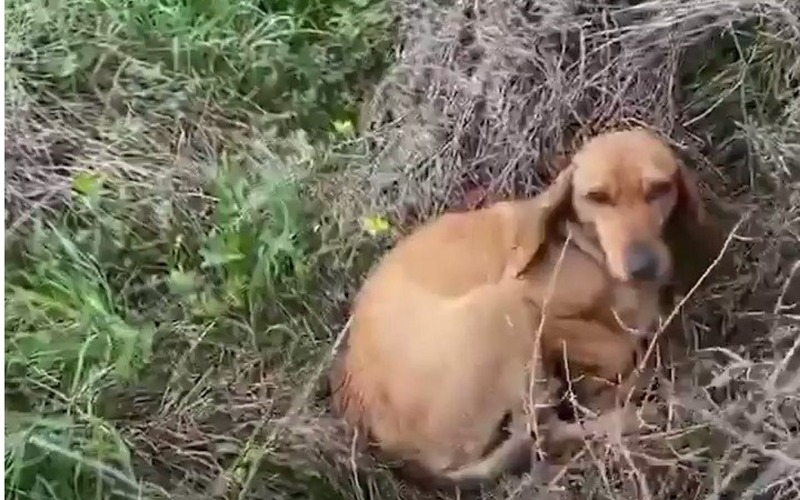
x=443, y=330
x=439, y=291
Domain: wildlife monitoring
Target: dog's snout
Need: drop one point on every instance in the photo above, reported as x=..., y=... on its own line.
x=641, y=262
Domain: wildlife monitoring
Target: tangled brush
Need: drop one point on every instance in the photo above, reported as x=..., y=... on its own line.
x=492, y=93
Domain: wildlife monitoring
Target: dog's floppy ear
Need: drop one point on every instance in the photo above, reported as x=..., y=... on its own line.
x=529, y=221
x=692, y=236
x=690, y=204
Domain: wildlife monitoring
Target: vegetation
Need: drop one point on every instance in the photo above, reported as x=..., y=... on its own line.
x=189, y=213
x=164, y=158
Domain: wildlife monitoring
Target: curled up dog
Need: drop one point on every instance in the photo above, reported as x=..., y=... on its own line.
x=437, y=368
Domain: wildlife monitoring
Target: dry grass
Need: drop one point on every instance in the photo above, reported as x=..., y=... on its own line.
x=166, y=319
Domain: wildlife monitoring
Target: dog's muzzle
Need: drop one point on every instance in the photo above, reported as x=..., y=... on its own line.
x=641, y=262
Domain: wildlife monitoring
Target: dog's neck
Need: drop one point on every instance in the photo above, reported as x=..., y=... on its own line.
x=626, y=297
x=572, y=231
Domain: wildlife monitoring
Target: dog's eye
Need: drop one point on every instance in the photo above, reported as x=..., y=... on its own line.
x=657, y=190
x=599, y=197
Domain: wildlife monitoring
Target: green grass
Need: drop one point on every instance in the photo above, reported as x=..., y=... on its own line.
x=300, y=63
x=98, y=299
x=153, y=281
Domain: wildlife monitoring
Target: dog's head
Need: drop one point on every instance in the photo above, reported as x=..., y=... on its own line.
x=626, y=186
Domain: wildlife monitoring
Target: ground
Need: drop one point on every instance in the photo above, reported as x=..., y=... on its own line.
x=194, y=192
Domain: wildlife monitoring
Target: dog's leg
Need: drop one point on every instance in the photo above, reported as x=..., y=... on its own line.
x=589, y=348
x=599, y=365
x=515, y=456
x=611, y=424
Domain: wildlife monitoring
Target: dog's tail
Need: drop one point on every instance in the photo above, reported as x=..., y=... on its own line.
x=513, y=456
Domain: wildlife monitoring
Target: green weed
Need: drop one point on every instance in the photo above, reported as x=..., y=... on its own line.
x=114, y=294
x=303, y=63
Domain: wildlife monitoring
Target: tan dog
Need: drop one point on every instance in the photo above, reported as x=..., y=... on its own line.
x=436, y=371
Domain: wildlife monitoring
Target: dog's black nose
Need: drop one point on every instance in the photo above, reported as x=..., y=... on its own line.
x=641, y=262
